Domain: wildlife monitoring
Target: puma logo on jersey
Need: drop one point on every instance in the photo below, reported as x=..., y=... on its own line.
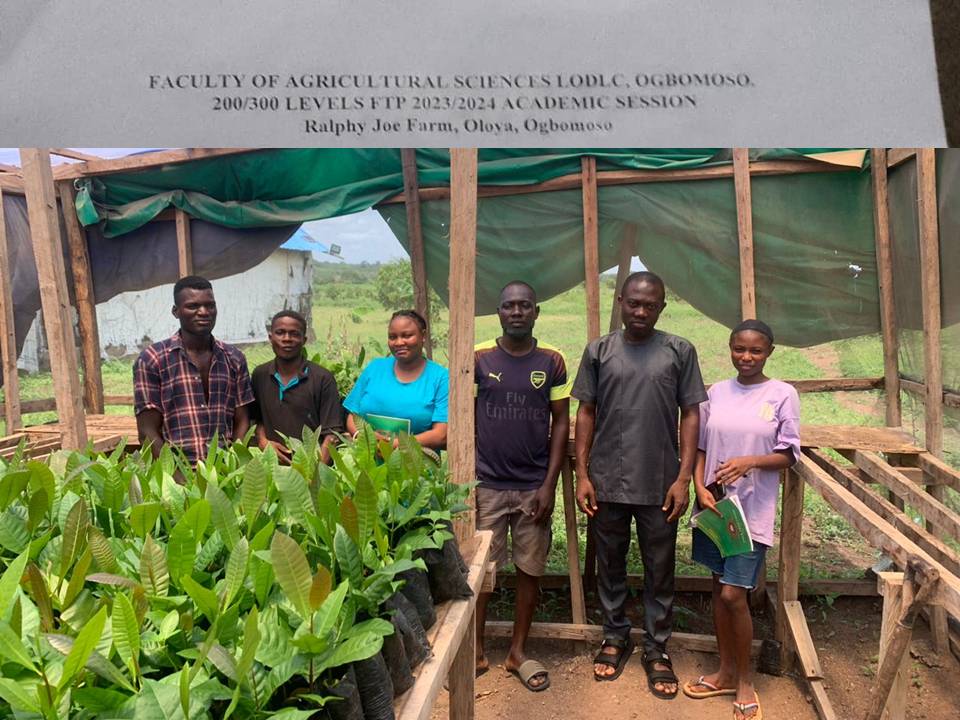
x=496, y=376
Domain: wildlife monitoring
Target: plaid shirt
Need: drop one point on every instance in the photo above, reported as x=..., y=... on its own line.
x=165, y=379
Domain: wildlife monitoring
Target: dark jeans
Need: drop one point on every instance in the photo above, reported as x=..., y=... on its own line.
x=658, y=545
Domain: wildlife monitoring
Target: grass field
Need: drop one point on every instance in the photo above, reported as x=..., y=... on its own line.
x=348, y=314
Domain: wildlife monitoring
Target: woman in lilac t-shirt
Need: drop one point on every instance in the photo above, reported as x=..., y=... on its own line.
x=749, y=432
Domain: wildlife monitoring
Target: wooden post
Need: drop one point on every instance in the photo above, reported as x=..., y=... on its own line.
x=184, y=244
x=741, y=182
x=591, y=248
x=577, y=604
x=418, y=266
x=461, y=446
x=788, y=580
x=463, y=674
x=888, y=315
x=890, y=586
x=8, y=335
x=51, y=273
x=628, y=246
x=86, y=303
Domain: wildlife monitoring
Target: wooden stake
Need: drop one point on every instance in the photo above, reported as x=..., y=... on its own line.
x=86, y=302
x=930, y=294
x=461, y=445
x=418, y=266
x=890, y=586
x=591, y=247
x=628, y=248
x=184, y=244
x=788, y=580
x=463, y=673
x=577, y=604
x=888, y=315
x=741, y=183
x=51, y=273
x=8, y=335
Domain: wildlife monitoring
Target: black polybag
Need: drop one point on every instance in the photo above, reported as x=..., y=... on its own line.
x=446, y=572
x=416, y=589
x=376, y=688
x=395, y=656
x=406, y=620
x=349, y=707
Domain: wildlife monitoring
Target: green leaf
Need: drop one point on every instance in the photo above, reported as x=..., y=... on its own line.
x=74, y=532
x=295, y=495
x=222, y=659
x=20, y=695
x=236, y=570
x=356, y=648
x=350, y=519
x=204, y=598
x=97, y=663
x=114, y=491
x=251, y=641
x=182, y=545
x=11, y=485
x=37, y=509
x=185, y=672
x=13, y=649
x=14, y=534
x=102, y=552
x=365, y=498
x=292, y=571
x=10, y=581
x=41, y=476
x=84, y=644
x=143, y=517
x=77, y=578
x=329, y=612
x=103, y=702
x=41, y=596
x=111, y=579
x=126, y=633
x=348, y=557
x=253, y=491
x=154, y=575
x=320, y=587
x=223, y=516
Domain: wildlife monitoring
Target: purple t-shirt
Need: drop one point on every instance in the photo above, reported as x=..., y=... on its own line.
x=738, y=420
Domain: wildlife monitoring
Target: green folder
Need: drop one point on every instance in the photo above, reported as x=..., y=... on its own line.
x=387, y=424
x=729, y=530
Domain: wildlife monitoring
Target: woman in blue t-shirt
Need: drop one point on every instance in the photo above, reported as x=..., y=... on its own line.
x=406, y=385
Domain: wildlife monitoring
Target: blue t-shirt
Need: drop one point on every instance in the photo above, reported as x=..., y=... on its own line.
x=423, y=401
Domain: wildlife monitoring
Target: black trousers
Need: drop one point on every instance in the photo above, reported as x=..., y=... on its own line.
x=658, y=548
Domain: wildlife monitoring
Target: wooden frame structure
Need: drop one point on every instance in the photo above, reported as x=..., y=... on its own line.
x=908, y=474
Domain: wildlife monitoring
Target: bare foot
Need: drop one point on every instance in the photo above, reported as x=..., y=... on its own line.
x=482, y=665
x=719, y=681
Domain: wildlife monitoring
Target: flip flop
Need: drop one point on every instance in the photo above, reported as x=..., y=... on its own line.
x=618, y=662
x=712, y=690
x=655, y=676
x=743, y=708
x=530, y=669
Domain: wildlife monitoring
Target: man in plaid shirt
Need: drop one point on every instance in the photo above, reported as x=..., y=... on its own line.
x=191, y=386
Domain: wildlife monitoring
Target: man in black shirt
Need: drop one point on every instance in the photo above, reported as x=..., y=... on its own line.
x=292, y=392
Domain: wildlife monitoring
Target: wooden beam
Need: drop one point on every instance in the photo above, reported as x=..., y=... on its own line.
x=889, y=511
x=938, y=469
x=418, y=262
x=145, y=161
x=890, y=586
x=13, y=169
x=12, y=184
x=888, y=314
x=930, y=298
x=591, y=245
x=594, y=634
x=628, y=248
x=8, y=336
x=573, y=181
x=74, y=154
x=184, y=244
x=855, y=437
x=877, y=531
x=578, y=606
x=932, y=509
x=950, y=399
x=837, y=384
x=897, y=156
x=48, y=251
x=86, y=302
x=461, y=443
x=806, y=652
x=741, y=181
x=788, y=577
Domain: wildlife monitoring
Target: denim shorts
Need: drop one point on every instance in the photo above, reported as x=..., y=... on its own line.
x=739, y=570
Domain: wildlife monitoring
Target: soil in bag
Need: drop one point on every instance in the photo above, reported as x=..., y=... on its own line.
x=446, y=573
x=376, y=688
x=407, y=622
x=395, y=656
x=416, y=589
x=349, y=706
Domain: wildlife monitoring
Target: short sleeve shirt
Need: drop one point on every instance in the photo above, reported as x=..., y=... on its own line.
x=165, y=379
x=740, y=420
x=638, y=390
x=423, y=401
x=513, y=413
x=311, y=400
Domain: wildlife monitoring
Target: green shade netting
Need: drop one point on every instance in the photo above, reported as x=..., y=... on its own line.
x=813, y=233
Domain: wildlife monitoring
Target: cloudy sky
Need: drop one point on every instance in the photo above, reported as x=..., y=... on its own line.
x=363, y=236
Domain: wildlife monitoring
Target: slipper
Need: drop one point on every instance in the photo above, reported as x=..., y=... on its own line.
x=655, y=676
x=743, y=708
x=712, y=690
x=530, y=669
x=618, y=661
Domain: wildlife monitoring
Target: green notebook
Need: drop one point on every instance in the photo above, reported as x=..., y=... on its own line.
x=387, y=424
x=729, y=530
